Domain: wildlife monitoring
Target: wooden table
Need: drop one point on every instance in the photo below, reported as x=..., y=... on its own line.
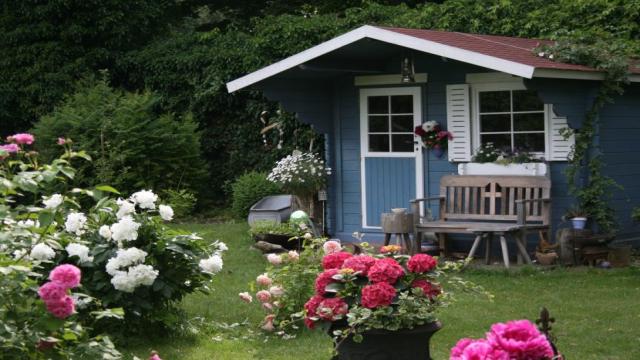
x=487, y=231
x=400, y=225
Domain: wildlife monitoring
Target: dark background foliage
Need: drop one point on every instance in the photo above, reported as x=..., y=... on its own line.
x=184, y=51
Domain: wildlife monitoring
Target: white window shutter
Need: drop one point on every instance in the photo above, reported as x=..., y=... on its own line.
x=459, y=122
x=559, y=147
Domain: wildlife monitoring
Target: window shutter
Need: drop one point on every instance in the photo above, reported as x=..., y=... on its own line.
x=559, y=147
x=459, y=122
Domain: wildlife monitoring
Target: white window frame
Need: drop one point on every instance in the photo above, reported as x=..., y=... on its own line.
x=364, y=130
x=476, y=89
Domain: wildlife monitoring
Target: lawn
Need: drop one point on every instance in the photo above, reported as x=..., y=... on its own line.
x=597, y=311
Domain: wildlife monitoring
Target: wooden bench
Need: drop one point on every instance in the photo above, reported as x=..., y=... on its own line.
x=486, y=206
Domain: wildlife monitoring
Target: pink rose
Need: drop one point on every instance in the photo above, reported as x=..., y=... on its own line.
x=276, y=291
x=421, y=263
x=263, y=280
x=332, y=309
x=385, y=270
x=10, y=148
x=246, y=297
x=428, y=289
x=293, y=255
x=376, y=295
x=274, y=259
x=334, y=260
x=66, y=275
x=360, y=263
x=468, y=349
x=52, y=291
x=520, y=339
x=267, y=306
x=331, y=247
x=267, y=324
x=263, y=296
x=22, y=138
x=61, y=308
x=324, y=279
x=154, y=356
x=61, y=141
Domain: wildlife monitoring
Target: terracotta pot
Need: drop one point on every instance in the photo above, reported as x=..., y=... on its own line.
x=407, y=344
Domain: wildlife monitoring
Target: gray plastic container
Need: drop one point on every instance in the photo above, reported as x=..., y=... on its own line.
x=276, y=208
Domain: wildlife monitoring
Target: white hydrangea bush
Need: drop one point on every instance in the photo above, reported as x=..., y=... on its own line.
x=128, y=255
x=300, y=173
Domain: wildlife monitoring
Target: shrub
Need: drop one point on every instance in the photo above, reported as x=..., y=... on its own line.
x=133, y=146
x=182, y=201
x=128, y=257
x=248, y=189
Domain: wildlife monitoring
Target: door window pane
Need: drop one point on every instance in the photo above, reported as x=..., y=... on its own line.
x=527, y=100
x=528, y=122
x=529, y=142
x=402, y=104
x=402, y=143
x=378, y=105
x=379, y=143
x=495, y=122
x=378, y=123
x=402, y=123
x=495, y=101
x=499, y=141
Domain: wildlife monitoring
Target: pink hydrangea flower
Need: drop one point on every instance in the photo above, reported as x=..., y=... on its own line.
x=421, y=263
x=468, y=349
x=66, y=275
x=385, y=270
x=360, y=263
x=377, y=295
x=21, y=138
x=61, y=308
x=10, y=148
x=332, y=309
x=324, y=279
x=520, y=339
x=263, y=296
x=335, y=260
x=52, y=291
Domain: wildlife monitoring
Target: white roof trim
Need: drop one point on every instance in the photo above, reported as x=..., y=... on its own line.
x=391, y=37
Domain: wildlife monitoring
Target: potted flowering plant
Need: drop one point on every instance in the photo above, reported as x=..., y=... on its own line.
x=433, y=137
x=490, y=160
x=577, y=216
x=378, y=304
x=301, y=174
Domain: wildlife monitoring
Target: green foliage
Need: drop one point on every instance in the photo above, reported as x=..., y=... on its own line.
x=133, y=146
x=182, y=202
x=131, y=260
x=247, y=189
x=286, y=228
x=610, y=56
x=635, y=214
x=487, y=153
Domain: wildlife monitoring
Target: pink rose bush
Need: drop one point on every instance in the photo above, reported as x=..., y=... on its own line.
x=513, y=340
x=387, y=290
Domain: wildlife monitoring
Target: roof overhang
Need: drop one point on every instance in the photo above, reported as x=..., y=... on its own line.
x=372, y=32
x=410, y=42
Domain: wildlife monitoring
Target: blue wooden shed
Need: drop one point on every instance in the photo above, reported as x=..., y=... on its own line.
x=482, y=88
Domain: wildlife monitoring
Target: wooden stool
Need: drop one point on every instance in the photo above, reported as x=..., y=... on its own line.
x=400, y=225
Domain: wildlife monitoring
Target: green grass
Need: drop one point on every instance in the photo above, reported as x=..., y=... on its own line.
x=597, y=311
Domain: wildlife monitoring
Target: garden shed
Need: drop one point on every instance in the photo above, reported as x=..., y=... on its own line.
x=367, y=89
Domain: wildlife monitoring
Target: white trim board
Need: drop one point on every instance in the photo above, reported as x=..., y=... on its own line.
x=388, y=36
x=390, y=79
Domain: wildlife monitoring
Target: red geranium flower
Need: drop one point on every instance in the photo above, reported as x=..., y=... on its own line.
x=421, y=263
x=324, y=279
x=360, y=263
x=430, y=290
x=335, y=260
x=376, y=295
x=385, y=270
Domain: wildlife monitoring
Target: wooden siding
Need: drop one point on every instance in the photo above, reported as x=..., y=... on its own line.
x=390, y=184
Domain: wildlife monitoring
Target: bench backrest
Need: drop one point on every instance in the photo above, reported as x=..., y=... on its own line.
x=493, y=198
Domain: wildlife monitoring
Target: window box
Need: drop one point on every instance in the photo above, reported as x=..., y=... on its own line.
x=524, y=169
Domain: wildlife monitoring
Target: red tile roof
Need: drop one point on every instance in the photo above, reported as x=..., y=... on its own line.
x=514, y=49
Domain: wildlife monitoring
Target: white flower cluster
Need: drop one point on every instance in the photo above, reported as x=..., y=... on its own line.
x=136, y=274
x=79, y=250
x=124, y=230
x=145, y=199
x=213, y=264
x=75, y=223
x=52, y=201
x=166, y=212
x=429, y=126
x=299, y=168
x=42, y=252
x=125, y=207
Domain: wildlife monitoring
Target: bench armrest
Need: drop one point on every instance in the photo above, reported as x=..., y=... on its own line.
x=427, y=199
x=522, y=201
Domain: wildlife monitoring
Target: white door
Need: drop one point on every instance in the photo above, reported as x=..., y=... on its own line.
x=391, y=155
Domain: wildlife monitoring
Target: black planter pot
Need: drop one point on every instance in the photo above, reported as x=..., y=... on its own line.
x=410, y=344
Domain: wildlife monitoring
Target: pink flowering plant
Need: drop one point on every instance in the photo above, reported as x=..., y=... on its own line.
x=129, y=258
x=359, y=292
x=513, y=340
x=433, y=136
